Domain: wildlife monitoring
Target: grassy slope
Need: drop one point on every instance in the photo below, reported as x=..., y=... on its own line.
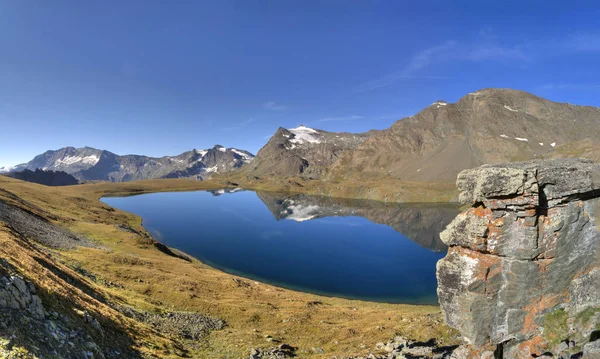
x=582, y=149
x=152, y=280
x=387, y=189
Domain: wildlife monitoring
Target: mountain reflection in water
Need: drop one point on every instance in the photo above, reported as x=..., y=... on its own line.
x=421, y=222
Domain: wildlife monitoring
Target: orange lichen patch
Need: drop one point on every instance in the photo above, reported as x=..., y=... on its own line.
x=532, y=348
x=533, y=310
x=494, y=231
x=481, y=212
x=544, y=264
x=484, y=352
x=487, y=265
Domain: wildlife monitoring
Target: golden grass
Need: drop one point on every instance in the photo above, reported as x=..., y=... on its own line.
x=151, y=280
x=386, y=189
x=582, y=149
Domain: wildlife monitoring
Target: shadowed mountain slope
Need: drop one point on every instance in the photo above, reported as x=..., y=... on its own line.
x=48, y=178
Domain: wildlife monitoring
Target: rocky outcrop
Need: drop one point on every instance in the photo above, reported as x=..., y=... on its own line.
x=397, y=348
x=25, y=323
x=15, y=293
x=521, y=278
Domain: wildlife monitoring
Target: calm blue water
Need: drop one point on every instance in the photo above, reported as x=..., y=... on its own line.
x=312, y=244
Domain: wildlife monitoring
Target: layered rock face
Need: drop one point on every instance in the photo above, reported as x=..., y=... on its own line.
x=521, y=278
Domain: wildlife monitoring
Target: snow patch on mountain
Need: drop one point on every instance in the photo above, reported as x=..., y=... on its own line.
x=69, y=160
x=212, y=169
x=6, y=169
x=303, y=134
x=246, y=157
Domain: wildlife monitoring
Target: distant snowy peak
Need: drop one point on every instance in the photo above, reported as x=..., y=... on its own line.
x=244, y=156
x=88, y=164
x=6, y=169
x=303, y=134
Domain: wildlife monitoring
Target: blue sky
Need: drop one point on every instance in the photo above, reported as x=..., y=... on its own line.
x=162, y=77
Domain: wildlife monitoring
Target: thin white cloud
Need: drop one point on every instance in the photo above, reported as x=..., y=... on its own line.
x=240, y=125
x=419, y=61
x=426, y=57
x=274, y=106
x=487, y=49
x=486, y=52
x=341, y=118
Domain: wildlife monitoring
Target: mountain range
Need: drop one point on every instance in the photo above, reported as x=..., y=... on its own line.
x=487, y=126
x=90, y=164
x=484, y=127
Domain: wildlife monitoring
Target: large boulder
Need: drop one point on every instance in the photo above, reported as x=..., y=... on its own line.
x=522, y=271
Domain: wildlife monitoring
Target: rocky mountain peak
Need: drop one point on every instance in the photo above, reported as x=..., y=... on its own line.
x=88, y=163
x=302, y=151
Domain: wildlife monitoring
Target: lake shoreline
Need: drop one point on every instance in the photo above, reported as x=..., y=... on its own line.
x=291, y=214
x=387, y=190
x=132, y=270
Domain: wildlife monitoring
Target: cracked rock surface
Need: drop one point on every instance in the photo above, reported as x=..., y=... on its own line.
x=523, y=261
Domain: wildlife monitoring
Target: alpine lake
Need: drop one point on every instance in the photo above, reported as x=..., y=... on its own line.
x=358, y=249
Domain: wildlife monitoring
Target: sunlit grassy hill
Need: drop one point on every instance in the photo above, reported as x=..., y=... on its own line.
x=116, y=273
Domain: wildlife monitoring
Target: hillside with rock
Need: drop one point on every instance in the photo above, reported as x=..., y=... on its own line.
x=521, y=278
x=47, y=178
x=484, y=127
x=302, y=152
x=90, y=164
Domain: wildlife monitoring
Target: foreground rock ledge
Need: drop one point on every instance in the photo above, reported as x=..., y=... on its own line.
x=521, y=278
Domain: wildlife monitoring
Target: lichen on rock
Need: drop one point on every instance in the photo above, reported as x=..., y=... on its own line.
x=528, y=246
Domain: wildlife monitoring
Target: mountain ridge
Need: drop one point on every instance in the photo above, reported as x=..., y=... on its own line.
x=485, y=126
x=91, y=164
x=302, y=151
